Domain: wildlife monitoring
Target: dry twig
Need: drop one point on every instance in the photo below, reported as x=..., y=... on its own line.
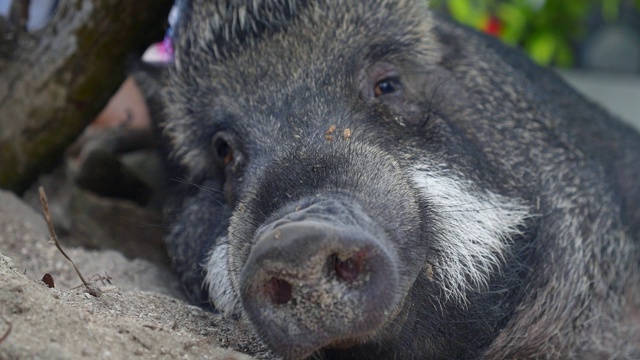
x=52, y=233
x=8, y=331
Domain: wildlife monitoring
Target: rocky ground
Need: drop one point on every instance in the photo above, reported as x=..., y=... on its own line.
x=140, y=313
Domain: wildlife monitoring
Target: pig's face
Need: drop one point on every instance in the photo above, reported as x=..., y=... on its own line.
x=347, y=205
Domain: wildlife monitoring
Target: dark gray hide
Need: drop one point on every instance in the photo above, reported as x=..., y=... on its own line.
x=367, y=180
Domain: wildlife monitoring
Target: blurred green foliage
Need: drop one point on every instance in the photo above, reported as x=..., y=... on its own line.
x=546, y=29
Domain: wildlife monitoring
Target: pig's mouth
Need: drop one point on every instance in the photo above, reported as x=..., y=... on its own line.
x=319, y=277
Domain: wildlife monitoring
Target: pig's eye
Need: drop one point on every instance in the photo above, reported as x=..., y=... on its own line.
x=386, y=86
x=222, y=150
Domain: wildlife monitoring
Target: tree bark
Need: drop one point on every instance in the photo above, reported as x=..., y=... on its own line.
x=55, y=81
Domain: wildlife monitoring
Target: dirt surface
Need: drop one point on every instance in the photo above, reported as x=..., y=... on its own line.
x=140, y=313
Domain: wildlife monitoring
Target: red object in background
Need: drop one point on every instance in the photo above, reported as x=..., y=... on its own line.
x=492, y=26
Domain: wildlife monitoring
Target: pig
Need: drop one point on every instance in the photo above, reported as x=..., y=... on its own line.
x=366, y=179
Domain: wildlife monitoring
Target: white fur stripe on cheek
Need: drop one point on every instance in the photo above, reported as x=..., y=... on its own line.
x=473, y=229
x=217, y=281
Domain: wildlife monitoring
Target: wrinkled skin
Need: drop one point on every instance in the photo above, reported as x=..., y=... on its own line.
x=367, y=180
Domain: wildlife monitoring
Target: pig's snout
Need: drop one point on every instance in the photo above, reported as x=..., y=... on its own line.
x=310, y=284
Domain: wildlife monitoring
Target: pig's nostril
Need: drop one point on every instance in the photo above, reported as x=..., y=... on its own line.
x=278, y=291
x=345, y=270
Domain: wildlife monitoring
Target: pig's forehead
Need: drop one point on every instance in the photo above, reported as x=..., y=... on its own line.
x=217, y=33
x=296, y=74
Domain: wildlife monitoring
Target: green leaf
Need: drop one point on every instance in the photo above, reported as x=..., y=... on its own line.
x=460, y=10
x=514, y=22
x=542, y=46
x=468, y=12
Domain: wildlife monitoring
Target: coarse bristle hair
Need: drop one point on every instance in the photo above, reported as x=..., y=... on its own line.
x=232, y=24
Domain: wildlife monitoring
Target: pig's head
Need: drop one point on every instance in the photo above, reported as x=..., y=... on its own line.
x=332, y=203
